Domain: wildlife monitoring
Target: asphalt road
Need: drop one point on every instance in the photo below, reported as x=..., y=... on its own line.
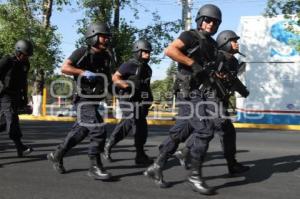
x=274, y=157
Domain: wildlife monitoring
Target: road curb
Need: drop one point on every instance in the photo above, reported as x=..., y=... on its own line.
x=163, y=122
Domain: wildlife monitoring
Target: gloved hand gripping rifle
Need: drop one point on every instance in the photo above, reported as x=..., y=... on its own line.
x=231, y=81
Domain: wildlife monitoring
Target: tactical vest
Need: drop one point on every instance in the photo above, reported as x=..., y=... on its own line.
x=141, y=79
x=230, y=62
x=203, y=50
x=6, y=76
x=232, y=83
x=97, y=86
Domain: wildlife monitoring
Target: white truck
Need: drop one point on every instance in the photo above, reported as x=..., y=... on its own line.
x=272, y=72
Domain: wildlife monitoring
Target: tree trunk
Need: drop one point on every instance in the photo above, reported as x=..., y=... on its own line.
x=47, y=12
x=26, y=8
x=116, y=14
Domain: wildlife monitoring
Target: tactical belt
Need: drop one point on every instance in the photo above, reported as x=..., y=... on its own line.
x=206, y=91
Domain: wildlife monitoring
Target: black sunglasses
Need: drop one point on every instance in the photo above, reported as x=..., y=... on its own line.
x=105, y=35
x=210, y=19
x=147, y=51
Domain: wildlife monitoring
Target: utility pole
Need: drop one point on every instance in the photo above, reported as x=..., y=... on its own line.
x=186, y=14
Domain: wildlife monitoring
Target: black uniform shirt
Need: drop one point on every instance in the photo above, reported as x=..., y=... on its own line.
x=199, y=47
x=188, y=39
x=13, y=74
x=131, y=68
x=127, y=69
x=94, y=62
x=86, y=59
x=207, y=46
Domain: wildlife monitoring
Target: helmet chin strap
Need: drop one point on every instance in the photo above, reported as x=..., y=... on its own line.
x=206, y=33
x=97, y=46
x=145, y=61
x=234, y=50
x=100, y=43
x=138, y=57
x=104, y=44
x=18, y=55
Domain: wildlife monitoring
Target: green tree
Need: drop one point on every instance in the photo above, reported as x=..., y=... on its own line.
x=124, y=33
x=170, y=79
x=288, y=8
x=163, y=89
x=159, y=90
x=30, y=19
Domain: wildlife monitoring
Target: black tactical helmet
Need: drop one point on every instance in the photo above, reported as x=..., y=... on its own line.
x=93, y=32
x=141, y=44
x=224, y=38
x=24, y=46
x=208, y=10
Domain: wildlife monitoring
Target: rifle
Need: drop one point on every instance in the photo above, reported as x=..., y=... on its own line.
x=236, y=85
x=231, y=83
x=222, y=91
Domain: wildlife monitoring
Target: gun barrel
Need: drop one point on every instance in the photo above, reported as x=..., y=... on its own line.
x=241, y=54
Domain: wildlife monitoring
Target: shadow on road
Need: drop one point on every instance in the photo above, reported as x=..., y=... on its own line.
x=263, y=169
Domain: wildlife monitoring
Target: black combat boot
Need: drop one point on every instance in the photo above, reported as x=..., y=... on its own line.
x=141, y=157
x=197, y=182
x=107, y=150
x=235, y=167
x=22, y=150
x=183, y=155
x=155, y=171
x=97, y=170
x=56, y=158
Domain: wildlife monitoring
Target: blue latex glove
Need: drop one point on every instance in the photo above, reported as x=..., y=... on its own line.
x=89, y=75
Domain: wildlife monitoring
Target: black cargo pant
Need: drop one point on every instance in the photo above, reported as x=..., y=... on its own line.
x=2, y=123
x=198, y=119
x=10, y=119
x=133, y=121
x=89, y=123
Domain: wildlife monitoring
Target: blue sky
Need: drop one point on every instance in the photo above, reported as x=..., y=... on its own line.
x=232, y=10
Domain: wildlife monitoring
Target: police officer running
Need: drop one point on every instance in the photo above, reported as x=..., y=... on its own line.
x=13, y=91
x=133, y=80
x=227, y=41
x=85, y=63
x=228, y=46
x=195, y=51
